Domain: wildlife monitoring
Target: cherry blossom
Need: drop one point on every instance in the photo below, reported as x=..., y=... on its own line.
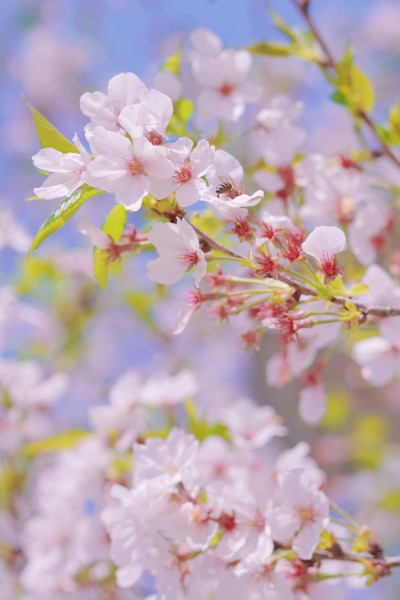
x=303, y=514
x=379, y=360
x=124, y=168
x=225, y=191
x=251, y=426
x=190, y=166
x=12, y=233
x=178, y=246
x=122, y=420
x=276, y=139
x=104, y=109
x=167, y=391
x=312, y=405
x=224, y=78
x=323, y=244
x=150, y=117
x=367, y=231
x=69, y=171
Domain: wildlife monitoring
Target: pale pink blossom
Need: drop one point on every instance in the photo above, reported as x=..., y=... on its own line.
x=323, y=244
x=124, y=168
x=301, y=515
x=98, y=238
x=206, y=42
x=179, y=250
x=166, y=391
x=69, y=171
x=252, y=426
x=123, y=419
x=231, y=201
x=12, y=233
x=57, y=549
x=379, y=360
x=104, y=109
x=134, y=522
x=169, y=84
x=148, y=117
x=29, y=388
x=187, y=180
x=276, y=139
x=332, y=195
x=312, y=405
x=304, y=581
x=224, y=77
x=383, y=291
x=169, y=461
x=366, y=232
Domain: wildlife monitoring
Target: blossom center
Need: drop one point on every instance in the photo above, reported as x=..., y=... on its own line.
x=80, y=170
x=227, y=522
x=226, y=89
x=329, y=266
x=135, y=167
x=183, y=173
x=378, y=242
x=155, y=138
x=347, y=208
x=189, y=258
x=306, y=514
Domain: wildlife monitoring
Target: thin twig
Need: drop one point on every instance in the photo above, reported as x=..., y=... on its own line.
x=303, y=8
x=375, y=311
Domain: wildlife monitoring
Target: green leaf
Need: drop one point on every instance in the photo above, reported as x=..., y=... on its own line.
x=390, y=500
x=339, y=98
x=355, y=87
x=173, y=63
x=63, y=213
x=49, y=136
x=184, y=109
x=338, y=410
x=114, y=226
x=207, y=222
x=176, y=127
x=61, y=441
x=200, y=428
x=337, y=287
x=358, y=289
x=392, y=133
x=191, y=415
x=271, y=49
x=367, y=442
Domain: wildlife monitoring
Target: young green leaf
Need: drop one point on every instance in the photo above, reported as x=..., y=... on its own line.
x=114, y=226
x=61, y=441
x=49, y=136
x=63, y=213
x=184, y=109
x=271, y=49
x=173, y=63
x=355, y=89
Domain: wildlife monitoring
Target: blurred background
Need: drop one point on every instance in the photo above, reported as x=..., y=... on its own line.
x=53, y=51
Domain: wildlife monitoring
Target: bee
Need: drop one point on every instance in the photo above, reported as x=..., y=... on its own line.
x=228, y=188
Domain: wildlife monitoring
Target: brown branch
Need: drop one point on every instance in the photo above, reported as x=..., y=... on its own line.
x=304, y=8
x=215, y=245
x=381, y=566
x=374, y=311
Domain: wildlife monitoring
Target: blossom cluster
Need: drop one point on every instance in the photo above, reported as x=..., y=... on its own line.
x=178, y=516
x=286, y=236
x=172, y=503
